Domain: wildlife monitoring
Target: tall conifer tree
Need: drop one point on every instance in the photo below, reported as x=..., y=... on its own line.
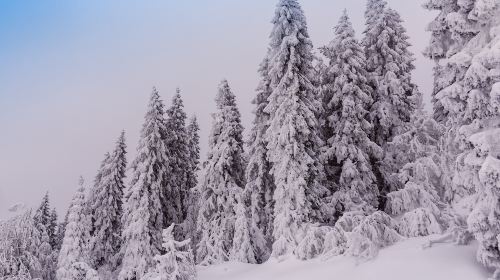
x=223, y=181
x=105, y=204
x=347, y=98
x=260, y=183
x=177, y=144
x=293, y=138
x=143, y=212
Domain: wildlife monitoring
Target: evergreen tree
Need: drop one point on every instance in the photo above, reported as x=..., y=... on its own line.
x=106, y=206
x=143, y=217
x=53, y=228
x=42, y=217
x=347, y=98
x=479, y=133
x=389, y=63
x=20, y=244
x=449, y=47
x=293, y=134
x=374, y=10
x=419, y=203
x=260, y=185
x=177, y=143
x=242, y=250
x=177, y=263
x=223, y=181
x=465, y=43
x=74, y=248
x=451, y=30
x=193, y=137
x=47, y=259
x=46, y=224
x=192, y=180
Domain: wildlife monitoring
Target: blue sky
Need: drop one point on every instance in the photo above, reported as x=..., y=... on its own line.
x=75, y=73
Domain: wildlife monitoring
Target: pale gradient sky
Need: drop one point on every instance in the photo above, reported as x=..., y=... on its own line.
x=75, y=73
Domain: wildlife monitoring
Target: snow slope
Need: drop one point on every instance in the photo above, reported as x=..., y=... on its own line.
x=405, y=260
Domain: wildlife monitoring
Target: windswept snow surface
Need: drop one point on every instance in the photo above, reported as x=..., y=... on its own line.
x=405, y=260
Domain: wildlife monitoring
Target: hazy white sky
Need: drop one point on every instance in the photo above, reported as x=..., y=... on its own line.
x=75, y=73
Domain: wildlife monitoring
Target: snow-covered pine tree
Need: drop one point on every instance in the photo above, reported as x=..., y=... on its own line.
x=46, y=257
x=243, y=250
x=223, y=181
x=450, y=32
x=143, y=217
x=54, y=228
x=480, y=130
x=374, y=10
x=259, y=189
x=347, y=99
x=452, y=41
x=20, y=248
x=389, y=65
x=293, y=137
x=74, y=248
x=177, y=263
x=193, y=130
x=105, y=204
x=419, y=203
x=42, y=217
x=189, y=225
x=177, y=144
x=46, y=226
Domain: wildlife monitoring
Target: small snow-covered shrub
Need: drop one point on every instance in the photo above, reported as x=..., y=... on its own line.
x=350, y=220
x=335, y=243
x=312, y=244
x=419, y=222
x=177, y=263
x=82, y=271
x=376, y=231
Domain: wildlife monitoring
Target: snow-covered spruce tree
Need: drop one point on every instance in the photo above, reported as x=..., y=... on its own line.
x=455, y=36
x=42, y=217
x=293, y=134
x=347, y=97
x=193, y=130
x=177, y=143
x=223, y=181
x=242, y=250
x=19, y=247
x=389, y=65
x=46, y=257
x=189, y=224
x=46, y=226
x=419, y=204
x=54, y=228
x=177, y=263
x=143, y=217
x=451, y=30
x=105, y=204
x=480, y=131
x=74, y=248
x=374, y=10
x=260, y=185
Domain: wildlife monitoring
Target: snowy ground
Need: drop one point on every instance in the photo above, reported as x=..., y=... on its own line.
x=406, y=260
